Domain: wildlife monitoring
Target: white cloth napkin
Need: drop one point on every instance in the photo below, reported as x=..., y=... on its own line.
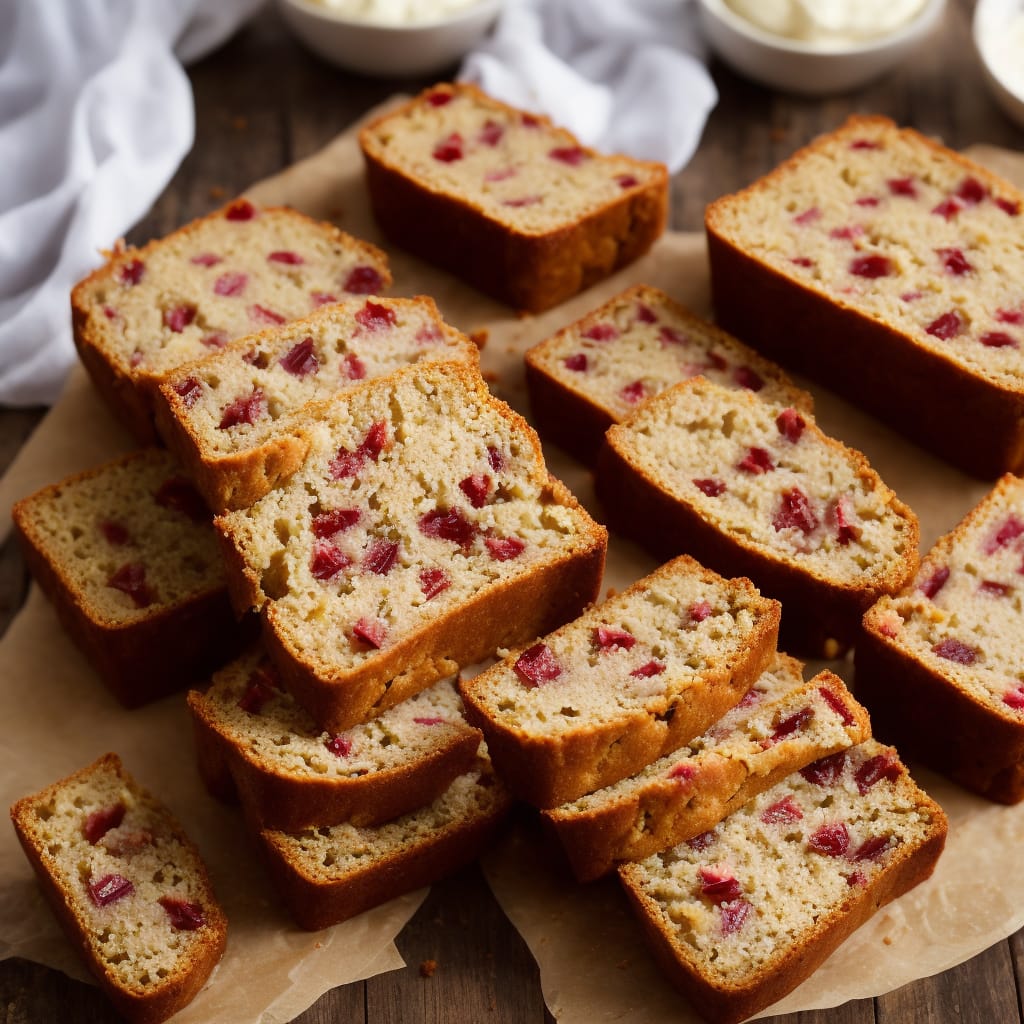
x=95, y=116
x=625, y=76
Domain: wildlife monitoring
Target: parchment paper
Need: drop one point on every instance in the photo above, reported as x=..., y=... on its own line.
x=57, y=717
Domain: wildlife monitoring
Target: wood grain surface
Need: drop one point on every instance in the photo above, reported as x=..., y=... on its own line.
x=262, y=102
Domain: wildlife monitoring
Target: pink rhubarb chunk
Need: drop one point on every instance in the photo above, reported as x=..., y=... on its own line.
x=606, y=638
x=712, y=488
x=433, y=582
x=791, y=424
x=177, y=318
x=872, y=771
x=327, y=561
x=956, y=651
x=381, y=557
x=375, y=316
x=795, y=512
x=300, y=360
x=536, y=666
x=830, y=840
x=339, y=746
x=826, y=771
x=371, y=631
x=231, y=284
x=130, y=579
x=719, y=884
x=327, y=524
x=100, y=822
x=756, y=461
x=109, y=889
x=476, y=488
x=363, y=281
x=246, y=409
x=504, y=549
x=184, y=916
x=782, y=812
x=448, y=524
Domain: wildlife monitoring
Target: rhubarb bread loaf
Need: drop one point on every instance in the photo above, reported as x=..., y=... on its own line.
x=235, y=271
x=757, y=489
x=327, y=875
x=128, y=887
x=739, y=916
x=889, y=269
x=504, y=199
x=234, y=419
x=128, y=556
x=422, y=533
x=596, y=371
x=781, y=725
x=253, y=740
x=939, y=664
x=623, y=684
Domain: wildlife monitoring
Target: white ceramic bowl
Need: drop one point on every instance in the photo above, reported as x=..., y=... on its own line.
x=388, y=50
x=991, y=19
x=809, y=68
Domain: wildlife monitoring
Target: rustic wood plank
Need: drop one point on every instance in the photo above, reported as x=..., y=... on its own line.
x=32, y=994
x=860, y=1011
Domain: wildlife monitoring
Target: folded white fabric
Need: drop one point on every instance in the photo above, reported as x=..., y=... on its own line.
x=625, y=76
x=95, y=116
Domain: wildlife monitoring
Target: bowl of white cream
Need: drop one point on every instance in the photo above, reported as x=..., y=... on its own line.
x=390, y=38
x=817, y=47
x=999, y=38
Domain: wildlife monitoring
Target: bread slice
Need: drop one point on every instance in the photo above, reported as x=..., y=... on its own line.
x=232, y=272
x=327, y=875
x=623, y=684
x=739, y=916
x=751, y=488
x=515, y=206
x=595, y=372
x=422, y=533
x=939, y=663
x=781, y=725
x=234, y=419
x=128, y=887
x=256, y=743
x=128, y=556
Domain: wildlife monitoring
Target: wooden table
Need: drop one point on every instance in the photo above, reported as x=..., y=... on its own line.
x=262, y=103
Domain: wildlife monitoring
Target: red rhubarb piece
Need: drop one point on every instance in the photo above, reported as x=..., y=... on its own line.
x=1014, y=698
x=645, y=315
x=215, y=339
x=206, y=259
x=491, y=133
x=375, y=316
x=791, y=424
x=750, y=698
x=719, y=884
x=476, y=488
x=1010, y=316
x=682, y=773
x=114, y=533
x=371, y=631
x=322, y=298
x=339, y=746
x=448, y=524
x=131, y=272
x=495, y=459
x=634, y=392
x=699, y=611
x=809, y=216
x=261, y=315
x=606, y=638
x=712, y=488
x=130, y=579
x=438, y=98
x=327, y=524
x=1008, y=206
x=177, y=318
x=433, y=582
x=244, y=409
x=935, y=582
x=502, y=174
x=285, y=256
x=793, y=723
x=847, y=233
x=353, y=367
x=1009, y=530
x=867, y=201
x=948, y=208
x=179, y=495
x=537, y=665
x=902, y=187
x=109, y=889
x=257, y=693
x=240, y=209
x=100, y=822
x=956, y=651
x=703, y=841
x=301, y=360
x=837, y=704
x=503, y=549
x=670, y=336
x=748, y=378
x=651, y=668
x=782, y=812
x=830, y=840
x=954, y=261
x=873, y=848
x=734, y=916
x=795, y=512
x=381, y=557
x=872, y=771
x=363, y=281
x=110, y=313
x=997, y=339
x=521, y=201
x=842, y=517
x=871, y=266
x=189, y=389
x=571, y=155
x=449, y=149
x=992, y=588
x=627, y=180
x=971, y=191
x=327, y=561
x=756, y=461
x=865, y=144
x=910, y=296
x=801, y=261
x=601, y=332
x=346, y=464
x=230, y=284
x=184, y=916
x=435, y=720
x=576, y=362
x=826, y=771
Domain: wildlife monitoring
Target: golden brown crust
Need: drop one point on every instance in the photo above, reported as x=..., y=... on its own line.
x=274, y=799
x=821, y=617
x=528, y=272
x=671, y=813
x=725, y=1004
x=175, y=992
x=975, y=423
x=132, y=394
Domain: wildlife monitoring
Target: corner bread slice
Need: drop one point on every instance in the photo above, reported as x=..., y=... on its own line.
x=422, y=533
x=128, y=556
x=781, y=725
x=128, y=887
x=232, y=272
x=739, y=916
x=254, y=742
x=514, y=205
x=327, y=875
x=939, y=664
x=623, y=684
x=751, y=488
x=595, y=372
x=234, y=419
